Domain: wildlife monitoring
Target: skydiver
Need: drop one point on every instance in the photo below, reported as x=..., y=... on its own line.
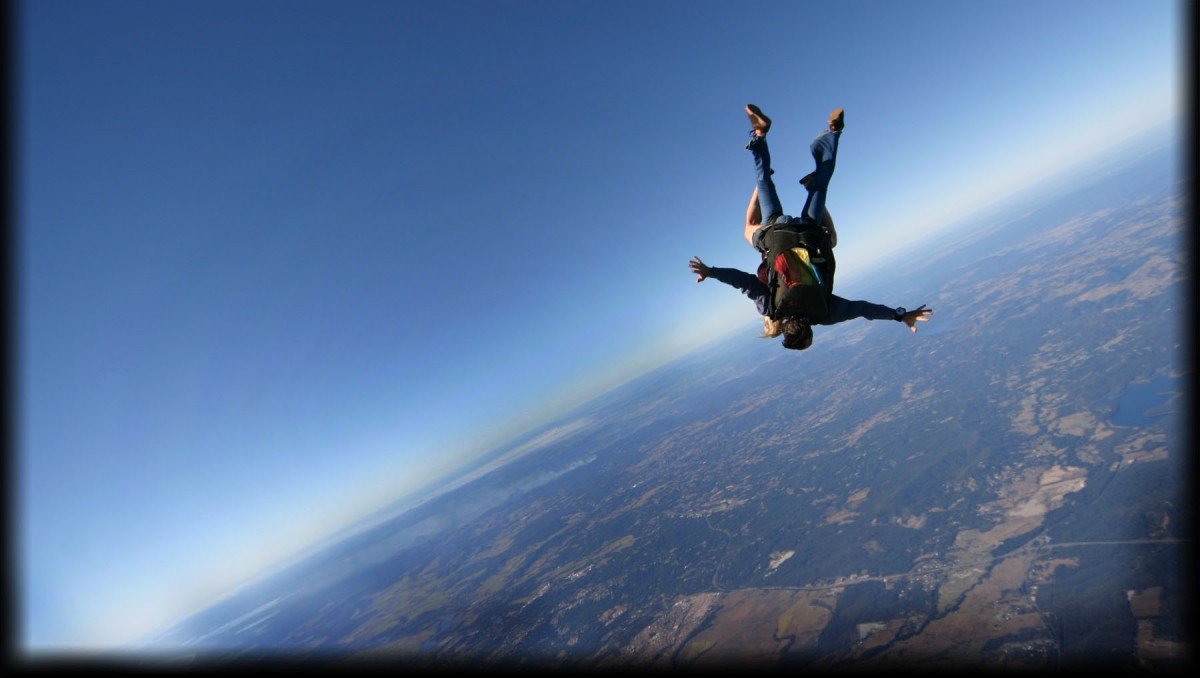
x=797, y=330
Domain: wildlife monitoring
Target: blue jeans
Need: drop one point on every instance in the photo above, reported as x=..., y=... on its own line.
x=824, y=152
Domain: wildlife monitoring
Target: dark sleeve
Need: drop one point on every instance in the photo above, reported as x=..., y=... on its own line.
x=747, y=283
x=841, y=310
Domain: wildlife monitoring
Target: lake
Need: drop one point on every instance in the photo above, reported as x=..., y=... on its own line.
x=1142, y=402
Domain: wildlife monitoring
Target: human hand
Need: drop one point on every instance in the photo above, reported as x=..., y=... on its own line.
x=698, y=268
x=916, y=315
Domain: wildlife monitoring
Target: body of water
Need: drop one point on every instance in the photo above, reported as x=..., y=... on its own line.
x=1142, y=402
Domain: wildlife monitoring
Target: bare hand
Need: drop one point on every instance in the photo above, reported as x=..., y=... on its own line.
x=698, y=268
x=917, y=315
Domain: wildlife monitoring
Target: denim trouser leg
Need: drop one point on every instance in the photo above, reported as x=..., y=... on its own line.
x=768, y=199
x=824, y=152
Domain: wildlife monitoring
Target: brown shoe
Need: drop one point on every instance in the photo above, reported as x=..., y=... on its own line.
x=837, y=120
x=758, y=121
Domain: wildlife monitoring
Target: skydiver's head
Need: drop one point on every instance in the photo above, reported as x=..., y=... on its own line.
x=797, y=334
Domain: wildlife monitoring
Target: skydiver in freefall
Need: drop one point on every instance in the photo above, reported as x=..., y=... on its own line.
x=785, y=267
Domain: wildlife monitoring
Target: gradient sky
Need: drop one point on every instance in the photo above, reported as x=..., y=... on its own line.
x=282, y=262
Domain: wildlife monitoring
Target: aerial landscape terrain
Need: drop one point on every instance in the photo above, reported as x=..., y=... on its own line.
x=1009, y=487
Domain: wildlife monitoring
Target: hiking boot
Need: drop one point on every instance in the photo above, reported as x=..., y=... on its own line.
x=837, y=120
x=758, y=121
x=807, y=179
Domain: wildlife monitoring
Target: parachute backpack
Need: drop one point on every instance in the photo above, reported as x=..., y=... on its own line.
x=799, y=270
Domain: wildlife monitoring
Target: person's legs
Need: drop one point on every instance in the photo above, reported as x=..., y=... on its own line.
x=824, y=152
x=768, y=199
x=753, y=217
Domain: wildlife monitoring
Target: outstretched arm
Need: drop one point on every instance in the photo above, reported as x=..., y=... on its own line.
x=747, y=283
x=841, y=310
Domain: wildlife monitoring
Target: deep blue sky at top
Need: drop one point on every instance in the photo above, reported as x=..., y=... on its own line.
x=280, y=261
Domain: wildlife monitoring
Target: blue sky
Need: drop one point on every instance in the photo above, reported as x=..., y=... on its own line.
x=280, y=263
